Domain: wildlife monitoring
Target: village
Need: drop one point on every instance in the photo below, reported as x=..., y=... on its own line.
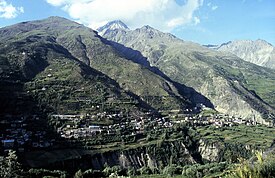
x=17, y=132
x=79, y=126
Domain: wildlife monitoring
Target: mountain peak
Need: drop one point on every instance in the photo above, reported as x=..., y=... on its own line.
x=113, y=25
x=147, y=27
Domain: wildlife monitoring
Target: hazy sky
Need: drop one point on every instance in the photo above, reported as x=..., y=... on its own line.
x=202, y=21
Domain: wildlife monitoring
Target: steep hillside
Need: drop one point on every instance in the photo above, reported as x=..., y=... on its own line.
x=258, y=52
x=36, y=69
x=234, y=86
x=56, y=54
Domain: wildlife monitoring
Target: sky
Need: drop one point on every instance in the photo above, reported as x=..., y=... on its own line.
x=201, y=21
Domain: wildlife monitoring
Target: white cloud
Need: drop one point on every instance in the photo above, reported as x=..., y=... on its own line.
x=197, y=20
x=214, y=7
x=8, y=11
x=161, y=14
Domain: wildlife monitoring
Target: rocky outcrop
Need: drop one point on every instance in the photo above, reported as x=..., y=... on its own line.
x=152, y=156
x=155, y=156
x=209, y=151
x=258, y=52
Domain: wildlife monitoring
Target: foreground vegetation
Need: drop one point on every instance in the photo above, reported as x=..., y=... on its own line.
x=234, y=160
x=259, y=166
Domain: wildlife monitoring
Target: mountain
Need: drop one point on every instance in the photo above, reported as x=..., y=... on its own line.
x=70, y=68
x=113, y=25
x=258, y=52
x=112, y=94
x=39, y=75
x=144, y=67
x=234, y=86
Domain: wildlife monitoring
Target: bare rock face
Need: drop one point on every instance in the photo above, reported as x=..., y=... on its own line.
x=258, y=52
x=209, y=152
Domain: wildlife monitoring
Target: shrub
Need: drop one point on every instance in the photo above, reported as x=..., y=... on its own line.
x=145, y=170
x=172, y=170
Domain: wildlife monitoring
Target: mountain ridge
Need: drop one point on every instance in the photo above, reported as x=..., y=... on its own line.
x=259, y=52
x=174, y=74
x=86, y=47
x=183, y=61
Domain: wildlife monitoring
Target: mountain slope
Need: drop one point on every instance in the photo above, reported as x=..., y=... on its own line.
x=62, y=45
x=39, y=70
x=258, y=52
x=223, y=78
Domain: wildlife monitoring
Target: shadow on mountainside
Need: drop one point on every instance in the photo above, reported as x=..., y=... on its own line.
x=136, y=56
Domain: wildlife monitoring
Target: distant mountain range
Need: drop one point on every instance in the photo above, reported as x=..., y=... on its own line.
x=258, y=52
x=61, y=66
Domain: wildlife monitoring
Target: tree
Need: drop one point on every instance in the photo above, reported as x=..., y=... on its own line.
x=260, y=168
x=109, y=170
x=9, y=166
x=78, y=174
x=190, y=171
x=88, y=173
x=131, y=171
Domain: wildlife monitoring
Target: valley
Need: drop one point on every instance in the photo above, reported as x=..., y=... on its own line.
x=128, y=103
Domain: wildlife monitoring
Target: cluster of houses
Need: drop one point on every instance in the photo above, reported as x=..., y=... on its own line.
x=17, y=133
x=79, y=126
x=217, y=120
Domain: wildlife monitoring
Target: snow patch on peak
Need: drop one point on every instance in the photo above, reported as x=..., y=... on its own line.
x=111, y=26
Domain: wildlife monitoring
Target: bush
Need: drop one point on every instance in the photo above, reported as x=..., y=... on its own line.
x=145, y=170
x=46, y=173
x=109, y=170
x=78, y=174
x=172, y=170
x=131, y=171
x=190, y=172
x=259, y=169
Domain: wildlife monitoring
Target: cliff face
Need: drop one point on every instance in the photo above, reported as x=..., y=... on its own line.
x=152, y=156
x=209, y=151
x=155, y=156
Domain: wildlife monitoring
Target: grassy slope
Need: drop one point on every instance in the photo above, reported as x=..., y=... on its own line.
x=225, y=80
x=131, y=76
x=53, y=78
x=259, y=137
